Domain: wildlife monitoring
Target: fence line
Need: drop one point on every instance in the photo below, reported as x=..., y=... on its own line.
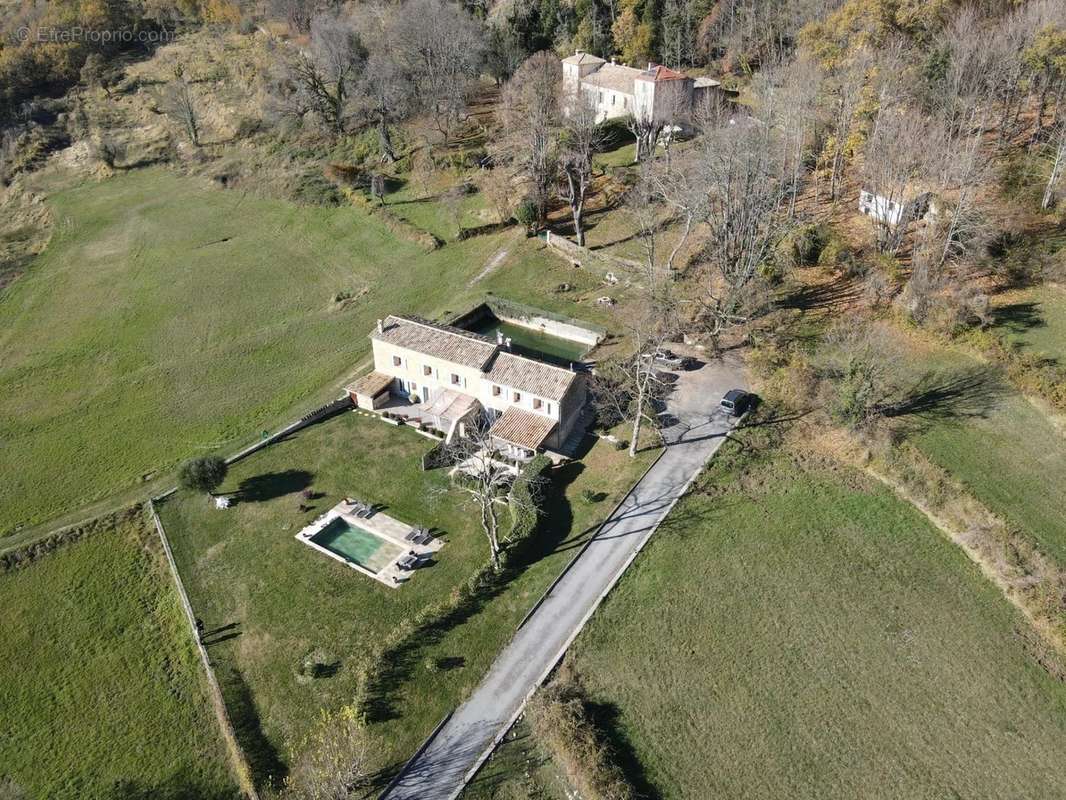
x=240, y=763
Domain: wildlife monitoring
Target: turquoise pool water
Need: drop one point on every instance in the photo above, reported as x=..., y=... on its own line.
x=354, y=544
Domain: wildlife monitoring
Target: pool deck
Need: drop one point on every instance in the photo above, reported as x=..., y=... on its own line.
x=381, y=525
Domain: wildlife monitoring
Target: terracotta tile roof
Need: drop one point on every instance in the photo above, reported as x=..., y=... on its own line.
x=527, y=375
x=439, y=341
x=616, y=77
x=581, y=57
x=523, y=428
x=658, y=72
x=370, y=385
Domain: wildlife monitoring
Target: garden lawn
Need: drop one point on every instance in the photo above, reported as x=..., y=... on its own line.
x=795, y=631
x=100, y=683
x=168, y=318
x=282, y=600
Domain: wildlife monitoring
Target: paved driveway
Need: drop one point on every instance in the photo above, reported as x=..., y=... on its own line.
x=698, y=428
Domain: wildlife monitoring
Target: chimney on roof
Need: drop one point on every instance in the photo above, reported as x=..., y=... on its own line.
x=507, y=342
x=499, y=337
x=612, y=59
x=381, y=326
x=651, y=66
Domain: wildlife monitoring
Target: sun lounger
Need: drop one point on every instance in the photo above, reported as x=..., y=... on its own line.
x=407, y=562
x=412, y=535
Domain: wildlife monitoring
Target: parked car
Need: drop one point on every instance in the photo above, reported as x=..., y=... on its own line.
x=737, y=401
x=668, y=359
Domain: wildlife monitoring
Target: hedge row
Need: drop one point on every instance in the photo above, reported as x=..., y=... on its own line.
x=526, y=499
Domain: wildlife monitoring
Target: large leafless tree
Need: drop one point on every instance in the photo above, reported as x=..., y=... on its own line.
x=746, y=187
x=180, y=104
x=580, y=138
x=529, y=118
x=487, y=479
x=441, y=47
x=322, y=80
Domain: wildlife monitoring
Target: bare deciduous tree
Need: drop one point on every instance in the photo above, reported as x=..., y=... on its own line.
x=846, y=86
x=334, y=760
x=631, y=389
x=441, y=47
x=896, y=158
x=1057, y=143
x=180, y=105
x=580, y=138
x=323, y=80
x=529, y=117
x=484, y=478
x=387, y=97
x=739, y=170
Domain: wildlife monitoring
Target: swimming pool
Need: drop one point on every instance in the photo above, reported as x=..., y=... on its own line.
x=356, y=545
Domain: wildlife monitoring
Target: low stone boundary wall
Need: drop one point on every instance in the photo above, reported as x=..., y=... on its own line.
x=583, y=256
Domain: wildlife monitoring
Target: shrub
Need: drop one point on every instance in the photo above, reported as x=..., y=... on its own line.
x=562, y=721
x=526, y=499
x=835, y=252
x=803, y=246
x=203, y=474
x=313, y=189
x=526, y=214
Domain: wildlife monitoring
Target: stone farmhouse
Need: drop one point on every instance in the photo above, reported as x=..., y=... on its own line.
x=446, y=375
x=618, y=90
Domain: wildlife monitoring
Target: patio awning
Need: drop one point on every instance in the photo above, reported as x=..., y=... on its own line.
x=370, y=385
x=450, y=405
x=523, y=428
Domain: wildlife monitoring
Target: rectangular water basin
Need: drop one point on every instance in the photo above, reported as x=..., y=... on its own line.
x=355, y=545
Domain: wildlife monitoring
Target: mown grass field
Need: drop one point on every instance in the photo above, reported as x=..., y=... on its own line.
x=1034, y=320
x=826, y=641
x=435, y=213
x=276, y=600
x=988, y=437
x=169, y=318
x=101, y=690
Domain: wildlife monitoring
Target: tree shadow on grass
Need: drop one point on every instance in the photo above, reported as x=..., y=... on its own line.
x=938, y=396
x=605, y=717
x=1018, y=318
x=272, y=485
x=176, y=787
x=828, y=296
x=396, y=665
x=263, y=759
